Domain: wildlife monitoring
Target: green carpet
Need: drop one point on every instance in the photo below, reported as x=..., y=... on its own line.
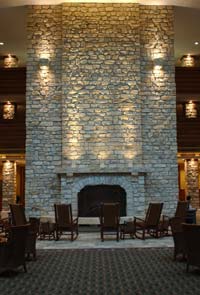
x=103, y=271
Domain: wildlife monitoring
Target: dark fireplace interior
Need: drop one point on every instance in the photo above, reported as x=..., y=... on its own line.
x=91, y=197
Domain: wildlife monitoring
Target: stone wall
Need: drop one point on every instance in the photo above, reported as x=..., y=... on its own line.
x=102, y=106
x=8, y=184
x=158, y=103
x=101, y=75
x=192, y=180
x=43, y=108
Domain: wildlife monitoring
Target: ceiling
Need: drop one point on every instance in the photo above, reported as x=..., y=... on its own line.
x=13, y=24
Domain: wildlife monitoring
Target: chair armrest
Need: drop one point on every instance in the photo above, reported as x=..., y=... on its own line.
x=139, y=219
x=75, y=221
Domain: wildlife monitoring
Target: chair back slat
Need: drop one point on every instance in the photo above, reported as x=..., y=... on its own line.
x=18, y=214
x=181, y=209
x=153, y=214
x=192, y=238
x=176, y=224
x=63, y=214
x=110, y=214
x=18, y=238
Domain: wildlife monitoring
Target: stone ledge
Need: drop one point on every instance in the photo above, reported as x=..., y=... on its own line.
x=85, y=220
x=73, y=172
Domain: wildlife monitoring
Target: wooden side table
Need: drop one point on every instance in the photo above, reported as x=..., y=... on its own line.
x=47, y=229
x=128, y=228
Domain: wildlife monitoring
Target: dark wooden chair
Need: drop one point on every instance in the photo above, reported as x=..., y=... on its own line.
x=109, y=219
x=12, y=252
x=65, y=222
x=181, y=212
x=181, y=209
x=178, y=237
x=150, y=224
x=18, y=218
x=192, y=244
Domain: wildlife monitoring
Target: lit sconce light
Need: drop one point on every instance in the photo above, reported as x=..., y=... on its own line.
x=8, y=111
x=7, y=165
x=193, y=162
x=44, y=63
x=158, y=63
x=190, y=110
x=10, y=61
x=188, y=60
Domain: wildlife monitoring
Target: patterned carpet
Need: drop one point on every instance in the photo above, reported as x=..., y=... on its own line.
x=103, y=271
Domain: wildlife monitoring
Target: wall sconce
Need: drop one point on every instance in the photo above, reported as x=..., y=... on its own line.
x=158, y=63
x=188, y=60
x=10, y=61
x=44, y=63
x=191, y=110
x=8, y=111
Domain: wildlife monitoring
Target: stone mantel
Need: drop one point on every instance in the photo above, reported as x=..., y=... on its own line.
x=74, y=172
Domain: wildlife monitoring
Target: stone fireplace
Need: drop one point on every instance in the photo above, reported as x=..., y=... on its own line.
x=103, y=112
x=131, y=183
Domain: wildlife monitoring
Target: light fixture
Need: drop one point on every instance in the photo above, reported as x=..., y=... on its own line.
x=158, y=62
x=1, y=43
x=188, y=60
x=44, y=63
x=190, y=110
x=10, y=61
x=8, y=111
x=196, y=43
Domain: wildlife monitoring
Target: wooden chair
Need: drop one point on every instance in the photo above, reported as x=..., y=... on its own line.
x=181, y=209
x=64, y=221
x=178, y=237
x=181, y=212
x=12, y=253
x=150, y=224
x=19, y=218
x=191, y=234
x=109, y=219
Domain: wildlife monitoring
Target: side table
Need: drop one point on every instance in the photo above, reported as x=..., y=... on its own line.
x=128, y=228
x=47, y=229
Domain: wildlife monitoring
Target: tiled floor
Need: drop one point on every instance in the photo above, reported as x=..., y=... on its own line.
x=92, y=240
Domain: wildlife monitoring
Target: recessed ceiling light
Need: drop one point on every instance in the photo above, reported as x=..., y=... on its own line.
x=196, y=43
x=1, y=43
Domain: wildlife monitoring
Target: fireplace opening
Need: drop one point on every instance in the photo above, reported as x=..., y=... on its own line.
x=91, y=197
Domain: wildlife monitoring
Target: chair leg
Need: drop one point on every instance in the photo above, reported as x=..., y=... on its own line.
x=174, y=255
x=57, y=235
x=143, y=234
x=24, y=265
x=102, y=237
x=72, y=235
